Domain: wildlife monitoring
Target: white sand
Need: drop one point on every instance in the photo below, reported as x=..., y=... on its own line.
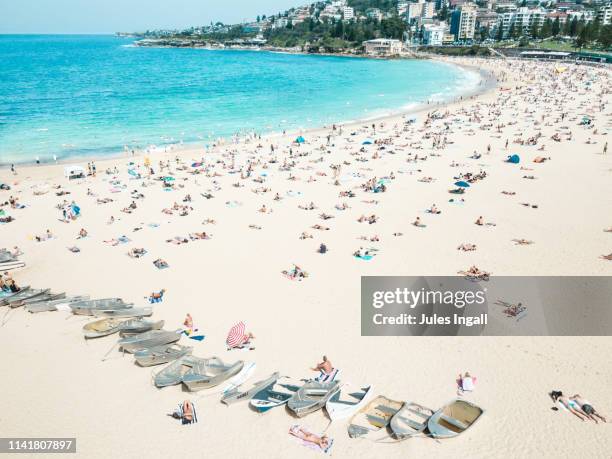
x=55, y=384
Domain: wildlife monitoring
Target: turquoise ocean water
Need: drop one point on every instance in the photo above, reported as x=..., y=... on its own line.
x=94, y=95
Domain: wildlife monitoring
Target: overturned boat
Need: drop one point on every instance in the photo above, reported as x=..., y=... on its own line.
x=148, y=339
x=87, y=307
x=311, y=397
x=51, y=305
x=135, y=326
x=161, y=354
x=18, y=298
x=124, y=312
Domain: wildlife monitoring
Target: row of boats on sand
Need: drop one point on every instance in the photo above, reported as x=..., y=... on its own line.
x=369, y=416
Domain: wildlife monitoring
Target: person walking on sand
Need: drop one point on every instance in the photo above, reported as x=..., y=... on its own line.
x=605, y=148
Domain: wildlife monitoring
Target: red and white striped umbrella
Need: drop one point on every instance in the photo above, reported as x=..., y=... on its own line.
x=236, y=335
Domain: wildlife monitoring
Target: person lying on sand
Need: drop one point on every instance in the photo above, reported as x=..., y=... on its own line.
x=474, y=272
x=202, y=235
x=305, y=235
x=136, y=252
x=522, y=241
x=160, y=263
x=299, y=432
x=540, y=159
x=156, y=297
x=185, y=413
x=571, y=405
x=361, y=252
x=587, y=408
x=607, y=257
x=509, y=193
x=467, y=247
x=256, y=227
x=319, y=227
x=82, y=234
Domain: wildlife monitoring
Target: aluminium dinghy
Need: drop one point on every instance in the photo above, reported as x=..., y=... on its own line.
x=161, y=354
x=240, y=394
x=312, y=396
x=373, y=417
x=125, y=313
x=136, y=326
x=411, y=420
x=343, y=404
x=272, y=396
x=100, y=328
x=148, y=339
x=453, y=419
x=87, y=307
x=173, y=373
x=53, y=304
x=22, y=295
x=210, y=372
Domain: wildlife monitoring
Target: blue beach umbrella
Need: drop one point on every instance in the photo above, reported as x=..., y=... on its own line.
x=300, y=139
x=462, y=184
x=168, y=179
x=367, y=142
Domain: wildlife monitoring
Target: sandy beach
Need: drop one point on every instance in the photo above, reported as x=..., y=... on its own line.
x=546, y=216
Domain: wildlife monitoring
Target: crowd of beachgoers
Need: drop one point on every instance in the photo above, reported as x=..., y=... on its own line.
x=514, y=181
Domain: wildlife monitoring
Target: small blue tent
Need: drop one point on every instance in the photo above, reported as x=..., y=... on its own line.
x=514, y=159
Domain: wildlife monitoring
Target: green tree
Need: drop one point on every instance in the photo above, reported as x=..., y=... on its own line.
x=546, y=30
x=499, y=36
x=573, y=28
x=511, y=31
x=533, y=30
x=605, y=36
x=582, y=39
x=556, y=27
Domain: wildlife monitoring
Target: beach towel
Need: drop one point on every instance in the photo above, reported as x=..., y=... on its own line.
x=365, y=257
x=179, y=412
x=295, y=429
x=197, y=337
x=327, y=377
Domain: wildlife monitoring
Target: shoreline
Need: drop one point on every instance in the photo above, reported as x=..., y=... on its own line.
x=485, y=76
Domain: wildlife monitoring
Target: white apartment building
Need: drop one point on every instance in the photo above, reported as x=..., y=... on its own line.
x=383, y=47
x=402, y=8
x=415, y=10
x=348, y=13
x=522, y=19
x=463, y=22
x=429, y=10
x=433, y=34
x=374, y=13
x=605, y=15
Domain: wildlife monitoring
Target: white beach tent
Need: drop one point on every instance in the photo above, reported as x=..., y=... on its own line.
x=74, y=172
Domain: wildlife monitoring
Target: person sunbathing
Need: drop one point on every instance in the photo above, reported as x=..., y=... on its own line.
x=325, y=216
x=540, y=159
x=82, y=234
x=185, y=413
x=571, y=405
x=522, y=241
x=607, y=257
x=418, y=223
x=587, y=408
x=467, y=247
x=509, y=193
x=299, y=432
x=156, y=297
x=160, y=264
x=136, y=252
x=202, y=235
x=434, y=210
x=319, y=227
x=306, y=235
x=479, y=221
